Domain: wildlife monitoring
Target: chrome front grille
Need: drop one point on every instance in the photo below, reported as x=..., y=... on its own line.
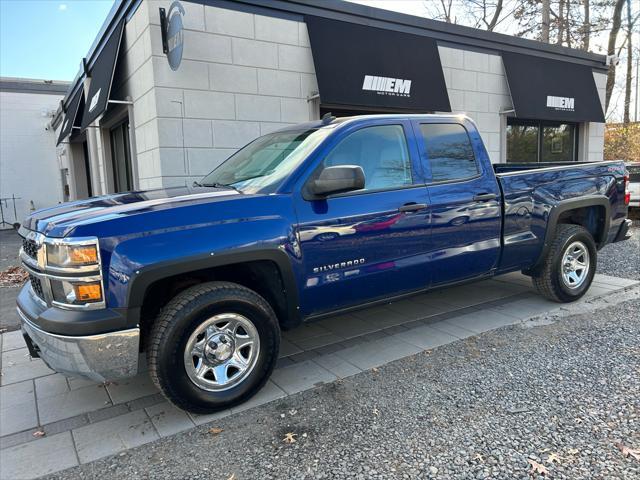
x=30, y=247
x=36, y=286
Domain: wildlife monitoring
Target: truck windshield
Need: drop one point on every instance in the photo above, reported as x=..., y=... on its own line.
x=266, y=161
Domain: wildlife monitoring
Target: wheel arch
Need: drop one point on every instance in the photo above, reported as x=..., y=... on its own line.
x=268, y=272
x=592, y=213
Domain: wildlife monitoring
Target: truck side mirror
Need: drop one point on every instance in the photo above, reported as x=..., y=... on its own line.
x=338, y=179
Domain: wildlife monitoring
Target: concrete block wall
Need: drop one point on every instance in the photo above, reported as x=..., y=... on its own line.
x=241, y=76
x=29, y=165
x=595, y=136
x=477, y=86
x=133, y=79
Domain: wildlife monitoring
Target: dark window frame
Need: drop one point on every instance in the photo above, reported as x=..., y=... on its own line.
x=540, y=125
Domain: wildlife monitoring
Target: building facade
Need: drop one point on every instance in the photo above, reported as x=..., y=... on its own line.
x=171, y=89
x=31, y=173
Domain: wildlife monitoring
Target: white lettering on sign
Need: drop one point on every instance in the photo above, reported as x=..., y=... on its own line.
x=175, y=41
x=387, y=86
x=94, y=100
x=561, y=103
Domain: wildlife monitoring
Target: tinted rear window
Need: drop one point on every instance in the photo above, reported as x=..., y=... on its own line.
x=449, y=151
x=634, y=172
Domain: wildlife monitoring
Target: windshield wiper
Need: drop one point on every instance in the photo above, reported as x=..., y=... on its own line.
x=220, y=185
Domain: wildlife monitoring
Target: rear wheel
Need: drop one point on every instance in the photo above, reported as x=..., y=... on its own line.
x=568, y=270
x=213, y=346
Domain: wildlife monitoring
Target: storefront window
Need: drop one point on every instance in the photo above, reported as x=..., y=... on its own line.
x=522, y=143
x=558, y=143
x=533, y=141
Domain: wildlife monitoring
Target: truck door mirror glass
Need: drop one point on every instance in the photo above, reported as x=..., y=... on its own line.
x=339, y=179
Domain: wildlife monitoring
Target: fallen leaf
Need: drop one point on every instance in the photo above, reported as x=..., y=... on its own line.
x=537, y=468
x=39, y=433
x=215, y=431
x=629, y=452
x=13, y=277
x=573, y=451
x=554, y=457
x=290, y=437
x=374, y=370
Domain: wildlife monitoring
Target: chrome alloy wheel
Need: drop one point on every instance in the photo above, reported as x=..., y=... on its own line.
x=221, y=352
x=575, y=265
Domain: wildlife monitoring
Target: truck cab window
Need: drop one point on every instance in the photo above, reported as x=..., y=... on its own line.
x=449, y=151
x=382, y=153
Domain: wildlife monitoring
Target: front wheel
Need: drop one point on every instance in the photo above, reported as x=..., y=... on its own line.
x=570, y=265
x=213, y=346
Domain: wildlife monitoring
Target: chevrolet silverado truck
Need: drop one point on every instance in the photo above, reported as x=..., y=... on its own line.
x=299, y=224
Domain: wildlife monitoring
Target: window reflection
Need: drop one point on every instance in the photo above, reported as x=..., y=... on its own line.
x=449, y=151
x=522, y=143
x=536, y=141
x=558, y=143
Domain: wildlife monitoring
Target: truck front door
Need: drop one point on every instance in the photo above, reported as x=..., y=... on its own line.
x=465, y=202
x=371, y=243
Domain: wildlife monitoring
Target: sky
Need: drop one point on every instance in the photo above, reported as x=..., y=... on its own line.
x=47, y=39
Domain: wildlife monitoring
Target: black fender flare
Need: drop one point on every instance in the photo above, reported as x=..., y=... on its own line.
x=564, y=206
x=142, y=279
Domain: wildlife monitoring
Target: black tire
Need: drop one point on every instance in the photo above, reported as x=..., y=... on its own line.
x=181, y=317
x=548, y=279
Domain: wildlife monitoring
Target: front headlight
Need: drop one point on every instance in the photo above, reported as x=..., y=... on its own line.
x=76, y=293
x=63, y=255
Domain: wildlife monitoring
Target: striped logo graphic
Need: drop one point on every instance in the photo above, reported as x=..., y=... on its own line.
x=387, y=86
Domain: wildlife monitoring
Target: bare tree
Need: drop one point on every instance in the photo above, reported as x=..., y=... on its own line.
x=586, y=25
x=611, y=49
x=627, y=91
x=560, y=20
x=487, y=13
x=546, y=20
x=440, y=10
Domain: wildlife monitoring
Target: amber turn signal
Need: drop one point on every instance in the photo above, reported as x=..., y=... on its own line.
x=88, y=292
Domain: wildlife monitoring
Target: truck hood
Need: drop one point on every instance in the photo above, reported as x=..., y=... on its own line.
x=58, y=221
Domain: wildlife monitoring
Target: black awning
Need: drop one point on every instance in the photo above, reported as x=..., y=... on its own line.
x=71, y=116
x=101, y=75
x=362, y=66
x=544, y=89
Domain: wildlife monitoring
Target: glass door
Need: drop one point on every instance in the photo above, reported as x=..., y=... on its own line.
x=121, y=157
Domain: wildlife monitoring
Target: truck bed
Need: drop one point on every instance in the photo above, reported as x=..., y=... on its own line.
x=535, y=194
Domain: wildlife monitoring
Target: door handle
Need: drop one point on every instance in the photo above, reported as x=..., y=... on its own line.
x=412, y=207
x=484, y=197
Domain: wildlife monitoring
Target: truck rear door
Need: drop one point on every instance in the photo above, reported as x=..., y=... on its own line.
x=465, y=201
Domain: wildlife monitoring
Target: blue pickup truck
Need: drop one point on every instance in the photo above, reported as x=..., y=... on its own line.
x=302, y=223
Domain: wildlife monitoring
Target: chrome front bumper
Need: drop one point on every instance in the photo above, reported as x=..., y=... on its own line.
x=102, y=357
